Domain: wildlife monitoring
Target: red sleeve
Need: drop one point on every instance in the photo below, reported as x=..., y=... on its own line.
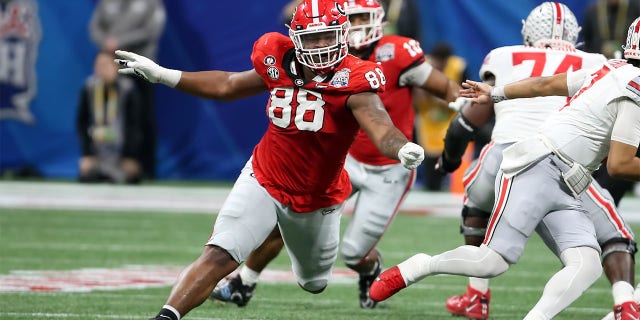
x=268, y=52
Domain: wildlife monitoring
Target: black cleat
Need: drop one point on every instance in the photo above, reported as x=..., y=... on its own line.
x=232, y=290
x=365, y=282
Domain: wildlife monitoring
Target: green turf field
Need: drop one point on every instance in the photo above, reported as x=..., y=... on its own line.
x=70, y=240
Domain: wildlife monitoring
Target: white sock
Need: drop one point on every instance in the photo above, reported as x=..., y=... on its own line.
x=582, y=269
x=622, y=292
x=415, y=268
x=479, y=284
x=471, y=261
x=248, y=276
x=536, y=315
x=464, y=260
x=636, y=293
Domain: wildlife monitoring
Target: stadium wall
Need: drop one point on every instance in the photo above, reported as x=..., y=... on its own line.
x=200, y=139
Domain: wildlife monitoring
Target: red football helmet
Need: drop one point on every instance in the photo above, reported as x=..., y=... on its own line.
x=319, y=32
x=361, y=35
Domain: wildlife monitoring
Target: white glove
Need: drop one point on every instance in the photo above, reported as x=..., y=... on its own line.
x=459, y=104
x=146, y=69
x=411, y=155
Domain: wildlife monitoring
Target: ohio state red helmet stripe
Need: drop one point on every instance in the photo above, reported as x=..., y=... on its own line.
x=637, y=30
x=559, y=21
x=558, y=13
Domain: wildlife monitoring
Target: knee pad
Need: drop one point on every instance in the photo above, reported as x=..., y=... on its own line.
x=468, y=212
x=619, y=245
x=472, y=231
x=314, y=286
x=475, y=212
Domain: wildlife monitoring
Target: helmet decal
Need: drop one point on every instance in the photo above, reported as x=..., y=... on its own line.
x=340, y=9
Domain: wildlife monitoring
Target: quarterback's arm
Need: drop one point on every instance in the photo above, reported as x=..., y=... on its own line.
x=555, y=85
x=623, y=162
x=374, y=120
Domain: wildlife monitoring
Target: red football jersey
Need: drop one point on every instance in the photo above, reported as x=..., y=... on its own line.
x=300, y=158
x=396, y=54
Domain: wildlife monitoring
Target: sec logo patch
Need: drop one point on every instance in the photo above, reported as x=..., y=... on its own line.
x=273, y=73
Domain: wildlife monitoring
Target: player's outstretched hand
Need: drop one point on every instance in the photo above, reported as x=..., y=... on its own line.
x=411, y=155
x=147, y=69
x=478, y=92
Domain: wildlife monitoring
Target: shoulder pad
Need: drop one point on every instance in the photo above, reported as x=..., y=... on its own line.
x=355, y=75
x=270, y=44
x=633, y=89
x=402, y=51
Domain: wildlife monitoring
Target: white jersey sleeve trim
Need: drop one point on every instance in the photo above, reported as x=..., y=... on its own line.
x=416, y=76
x=575, y=80
x=626, y=129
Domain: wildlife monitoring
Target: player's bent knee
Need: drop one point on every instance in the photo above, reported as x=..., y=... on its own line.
x=474, y=222
x=314, y=286
x=619, y=245
x=350, y=254
x=586, y=260
x=494, y=264
x=471, y=231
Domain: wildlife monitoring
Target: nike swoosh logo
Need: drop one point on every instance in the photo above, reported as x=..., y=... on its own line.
x=469, y=308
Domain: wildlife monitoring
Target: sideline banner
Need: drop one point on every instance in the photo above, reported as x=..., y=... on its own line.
x=196, y=138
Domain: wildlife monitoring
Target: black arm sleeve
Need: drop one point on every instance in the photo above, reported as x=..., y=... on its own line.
x=459, y=133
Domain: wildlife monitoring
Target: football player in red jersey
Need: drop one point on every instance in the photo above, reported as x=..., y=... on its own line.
x=319, y=98
x=380, y=183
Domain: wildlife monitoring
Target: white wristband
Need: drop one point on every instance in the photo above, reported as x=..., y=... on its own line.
x=170, y=77
x=497, y=94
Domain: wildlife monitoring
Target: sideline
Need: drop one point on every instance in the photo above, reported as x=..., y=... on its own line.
x=200, y=199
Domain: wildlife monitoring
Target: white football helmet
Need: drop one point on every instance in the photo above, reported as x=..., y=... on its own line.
x=632, y=47
x=365, y=34
x=550, y=25
x=319, y=33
